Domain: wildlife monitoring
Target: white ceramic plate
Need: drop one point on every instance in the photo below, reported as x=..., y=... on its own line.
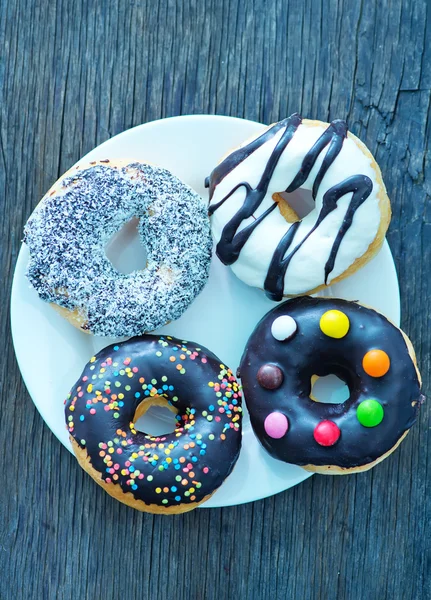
x=51, y=353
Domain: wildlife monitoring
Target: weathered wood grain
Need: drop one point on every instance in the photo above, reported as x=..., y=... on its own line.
x=72, y=74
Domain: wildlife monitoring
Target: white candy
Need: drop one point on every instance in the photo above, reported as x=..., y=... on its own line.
x=283, y=328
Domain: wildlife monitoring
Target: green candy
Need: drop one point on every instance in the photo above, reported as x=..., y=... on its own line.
x=370, y=413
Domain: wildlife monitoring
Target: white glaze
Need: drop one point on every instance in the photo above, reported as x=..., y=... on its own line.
x=306, y=270
x=283, y=328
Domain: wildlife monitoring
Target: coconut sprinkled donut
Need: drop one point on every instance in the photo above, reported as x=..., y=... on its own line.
x=70, y=228
x=306, y=338
x=170, y=473
x=261, y=235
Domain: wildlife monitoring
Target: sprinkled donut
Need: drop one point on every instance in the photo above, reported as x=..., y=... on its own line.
x=171, y=473
x=262, y=237
x=306, y=338
x=70, y=228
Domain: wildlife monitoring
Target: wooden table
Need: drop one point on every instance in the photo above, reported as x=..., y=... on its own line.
x=73, y=74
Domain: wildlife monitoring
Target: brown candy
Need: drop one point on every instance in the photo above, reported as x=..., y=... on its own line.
x=270, y=376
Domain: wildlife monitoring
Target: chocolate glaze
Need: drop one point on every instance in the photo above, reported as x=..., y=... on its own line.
x=311, y=352
x=206, y=442
x=231, y=242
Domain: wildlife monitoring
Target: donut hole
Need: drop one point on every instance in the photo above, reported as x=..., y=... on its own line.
x=296, y=205
x=155, y=417
x=124, y=249
x=329, y=389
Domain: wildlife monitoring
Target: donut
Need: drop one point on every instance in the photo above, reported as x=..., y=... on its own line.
x=260, y=194
x=171, y=473
x=306, y=338
x=67, y=234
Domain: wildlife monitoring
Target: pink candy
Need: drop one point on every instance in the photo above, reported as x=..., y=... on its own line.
x=276, y=425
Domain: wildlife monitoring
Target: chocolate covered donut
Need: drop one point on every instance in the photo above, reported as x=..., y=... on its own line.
x=170, y=473
x=306, y=338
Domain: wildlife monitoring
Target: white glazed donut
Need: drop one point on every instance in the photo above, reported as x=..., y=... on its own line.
x=250, y=219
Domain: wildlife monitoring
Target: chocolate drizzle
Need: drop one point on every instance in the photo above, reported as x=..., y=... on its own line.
x=232, y=241
x=310, y=352
x=361, y=187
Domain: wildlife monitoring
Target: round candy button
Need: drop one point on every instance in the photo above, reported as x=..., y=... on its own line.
x=376, y=363
x=270, y=376
x=334, y=324
x=276, y=425
x=283, y=328
x=370, y=413
x=326, y=433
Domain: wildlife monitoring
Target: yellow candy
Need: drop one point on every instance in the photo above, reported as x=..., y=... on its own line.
x=334, y=323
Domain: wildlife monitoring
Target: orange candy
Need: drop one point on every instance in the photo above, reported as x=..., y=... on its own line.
x=376, y=363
